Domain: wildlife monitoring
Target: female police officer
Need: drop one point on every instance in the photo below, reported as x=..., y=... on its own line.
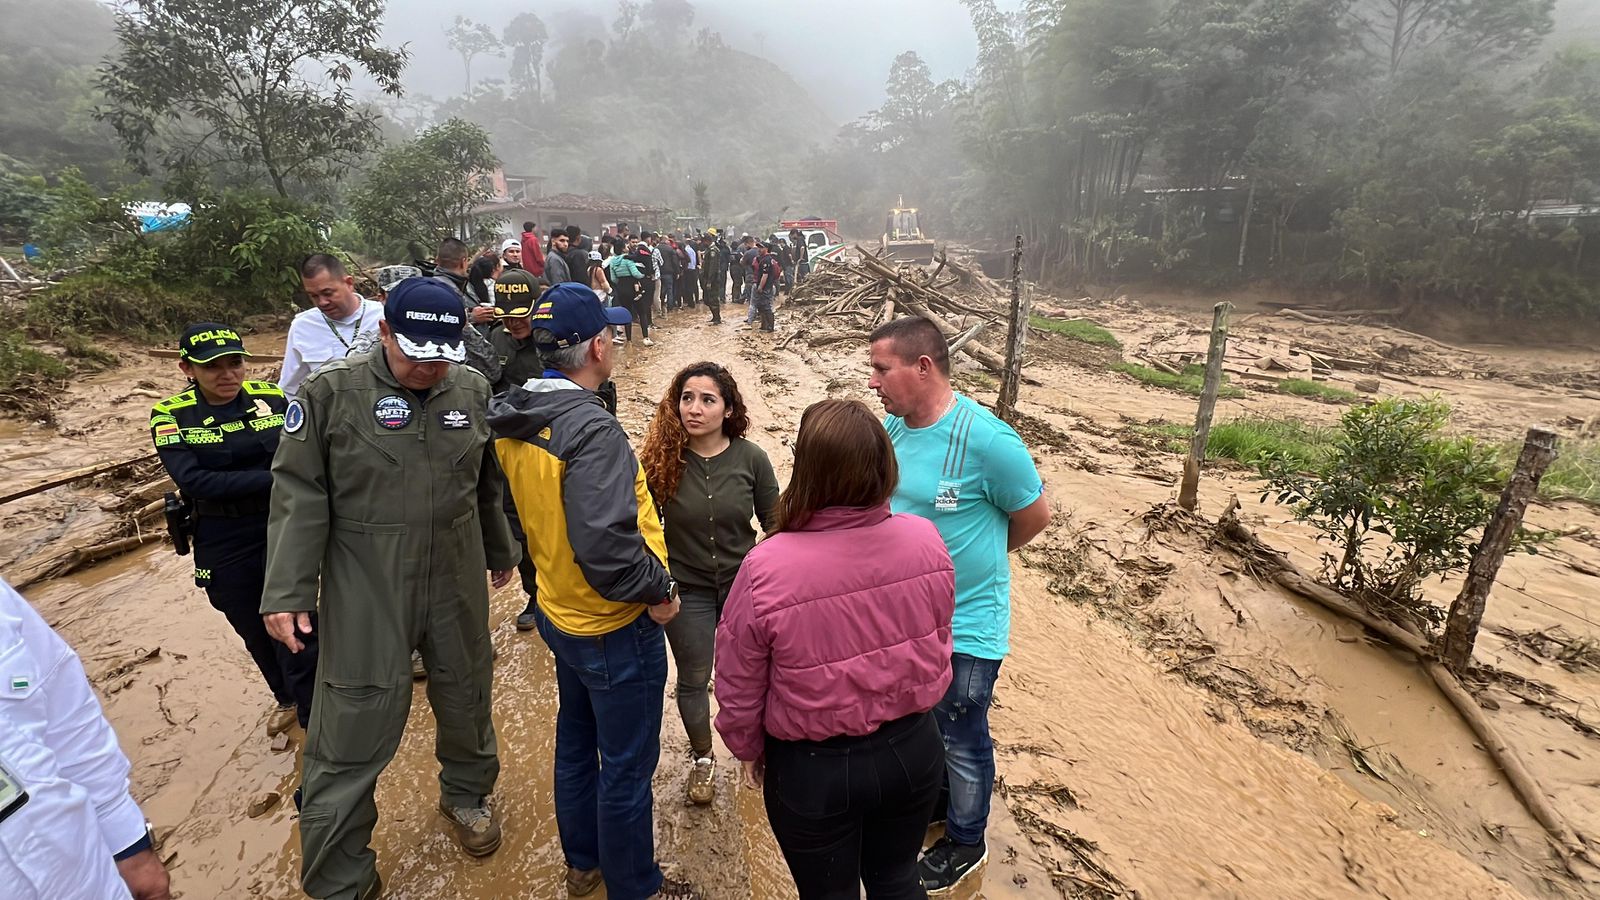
x=216, y=440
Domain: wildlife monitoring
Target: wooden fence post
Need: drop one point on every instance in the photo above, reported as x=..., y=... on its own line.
x=1466, y=613
x=1011, y=378
x=1189, y=491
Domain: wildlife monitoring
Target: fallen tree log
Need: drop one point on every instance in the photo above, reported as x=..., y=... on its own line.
x=1527, y=788
x=988, y=358
x=71, y=560
x=74, y=475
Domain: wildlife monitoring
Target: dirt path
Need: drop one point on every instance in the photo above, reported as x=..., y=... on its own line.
x=1166, y=727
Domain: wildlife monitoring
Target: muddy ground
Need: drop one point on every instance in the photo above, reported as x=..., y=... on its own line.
x=1166, y=726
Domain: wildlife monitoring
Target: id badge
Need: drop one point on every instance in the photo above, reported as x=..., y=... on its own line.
x=13, y=796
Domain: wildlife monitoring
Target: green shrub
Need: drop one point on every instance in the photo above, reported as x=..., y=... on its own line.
x=1190, y=381
x=22, y=364
x=1391, y=472
x=1077, y=330
x=93, y=303
x=1316, y=390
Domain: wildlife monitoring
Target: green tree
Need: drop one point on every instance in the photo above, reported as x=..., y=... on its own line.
x=1398, y=499
x=702, y=200
x=669, y=18
x=526, y=35
x=47, y=63
x=913, y=100
x=258, y=84
x=425, y=190
x=472, y=39
x=1495, y=29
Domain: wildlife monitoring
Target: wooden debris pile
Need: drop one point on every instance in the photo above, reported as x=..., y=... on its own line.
x=844, y=300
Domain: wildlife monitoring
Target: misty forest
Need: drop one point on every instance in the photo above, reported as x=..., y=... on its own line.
x=1284, y=313
x=1419, y=153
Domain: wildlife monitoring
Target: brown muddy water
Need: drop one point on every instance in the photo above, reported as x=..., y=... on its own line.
x=1165, y=727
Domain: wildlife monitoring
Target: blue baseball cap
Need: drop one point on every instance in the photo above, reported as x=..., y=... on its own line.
x=573, y=314
x=426, y=318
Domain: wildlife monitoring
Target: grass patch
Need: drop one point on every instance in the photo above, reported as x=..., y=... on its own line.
x=1189, y=381
x=1316, y=390
x=1079, y=330
x=21, y=365
x=1251, y=439
x=1575, y=475
x=96, y=304
x=84, y=351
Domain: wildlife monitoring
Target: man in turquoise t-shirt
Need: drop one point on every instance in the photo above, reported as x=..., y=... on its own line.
x=970, y=474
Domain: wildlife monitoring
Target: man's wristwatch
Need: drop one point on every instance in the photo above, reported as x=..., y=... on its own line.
x=672, y=592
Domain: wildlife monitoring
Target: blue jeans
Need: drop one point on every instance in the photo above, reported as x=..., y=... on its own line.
x=608, y=739
x=669, y=291
x=963, y=717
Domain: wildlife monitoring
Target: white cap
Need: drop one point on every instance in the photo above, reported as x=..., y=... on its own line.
x=508, y=243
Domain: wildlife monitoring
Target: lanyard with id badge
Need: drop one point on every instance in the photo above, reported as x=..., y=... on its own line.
x=12, y=794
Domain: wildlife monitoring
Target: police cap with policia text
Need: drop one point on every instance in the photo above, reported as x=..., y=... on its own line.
x=573, y=314
x=515, y=293
x=203, y=342
x=426, y=317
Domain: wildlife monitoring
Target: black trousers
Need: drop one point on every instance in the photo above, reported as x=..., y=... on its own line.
x=232, y=555
x=852, y=811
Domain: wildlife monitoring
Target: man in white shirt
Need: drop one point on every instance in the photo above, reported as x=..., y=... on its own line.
x=338, y=323
x=68, y=826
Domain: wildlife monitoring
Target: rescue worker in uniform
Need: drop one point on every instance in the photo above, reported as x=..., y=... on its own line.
x=515, y=294
x=216, y=440
x=386, y=491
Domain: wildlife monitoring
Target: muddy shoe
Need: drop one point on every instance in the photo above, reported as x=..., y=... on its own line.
x=674, y=889
x=526, y=621
x=281, y=720
x=475, y=827
x=583, y=882
x=418, y=670
x=703, y=781
x=947, y=864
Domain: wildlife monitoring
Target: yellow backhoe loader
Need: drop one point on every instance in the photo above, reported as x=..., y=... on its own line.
x=902, y=239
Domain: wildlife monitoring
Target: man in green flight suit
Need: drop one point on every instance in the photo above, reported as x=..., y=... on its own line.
x=386, y=490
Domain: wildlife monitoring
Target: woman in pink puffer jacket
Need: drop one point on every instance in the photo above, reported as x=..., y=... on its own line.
x=834, y=646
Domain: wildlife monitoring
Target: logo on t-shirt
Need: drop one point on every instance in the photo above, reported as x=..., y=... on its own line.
x=945, y=499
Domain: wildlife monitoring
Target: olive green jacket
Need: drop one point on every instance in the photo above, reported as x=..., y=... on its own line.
x=390, y=500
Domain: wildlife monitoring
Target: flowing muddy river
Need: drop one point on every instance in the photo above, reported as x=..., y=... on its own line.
x=1166, y=726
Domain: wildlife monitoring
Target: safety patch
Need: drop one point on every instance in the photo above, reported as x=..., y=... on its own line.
x=455, y=418
x=268, y=422
x=392, y=412
x=294, y=418
x=167, y=435
x=202, y=435
x=232, y=426
x=262, y=410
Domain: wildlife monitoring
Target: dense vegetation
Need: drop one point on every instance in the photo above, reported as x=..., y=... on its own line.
x=1384, y=147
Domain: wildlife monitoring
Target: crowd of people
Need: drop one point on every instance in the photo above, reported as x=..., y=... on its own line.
x=463, y=423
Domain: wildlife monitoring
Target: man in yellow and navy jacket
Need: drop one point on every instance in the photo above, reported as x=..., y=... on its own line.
x=604, y=591
x=216, y=440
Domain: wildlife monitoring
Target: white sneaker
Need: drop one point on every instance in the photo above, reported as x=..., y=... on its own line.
x=649, y=343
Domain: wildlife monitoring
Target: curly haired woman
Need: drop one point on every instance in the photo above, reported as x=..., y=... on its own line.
x=708, y=482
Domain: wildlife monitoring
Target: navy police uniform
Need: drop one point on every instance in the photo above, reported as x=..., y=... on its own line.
x=220, y=457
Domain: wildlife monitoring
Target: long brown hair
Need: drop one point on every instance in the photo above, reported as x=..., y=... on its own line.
x=842, y=457
x=662, y=453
